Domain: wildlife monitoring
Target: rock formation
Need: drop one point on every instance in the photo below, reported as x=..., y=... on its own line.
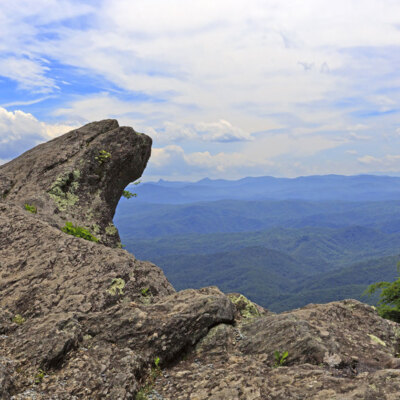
x=78, y=177
x=82, y=319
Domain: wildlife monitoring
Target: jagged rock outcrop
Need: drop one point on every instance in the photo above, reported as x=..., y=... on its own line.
x=83, y=320
x=78, y=177
x=340, y=350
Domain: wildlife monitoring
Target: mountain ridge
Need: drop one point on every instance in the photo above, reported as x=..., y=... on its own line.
x=314, y=187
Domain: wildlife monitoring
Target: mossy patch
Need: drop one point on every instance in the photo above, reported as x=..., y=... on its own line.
x=246, y=307
x=117, y=286
x=63, y=190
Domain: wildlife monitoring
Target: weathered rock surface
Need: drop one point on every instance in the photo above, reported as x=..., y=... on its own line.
x=82, y=320
x=340, y=350
x=73, y=319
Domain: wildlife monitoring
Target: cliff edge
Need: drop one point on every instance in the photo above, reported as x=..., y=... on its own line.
x=83, y=319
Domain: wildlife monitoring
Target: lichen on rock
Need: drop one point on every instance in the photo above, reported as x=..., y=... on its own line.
x=63, y=190
x=111, y=229
x=247, y=309
x=116, y=287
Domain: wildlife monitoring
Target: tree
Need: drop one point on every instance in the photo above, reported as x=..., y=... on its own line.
x=389, y=303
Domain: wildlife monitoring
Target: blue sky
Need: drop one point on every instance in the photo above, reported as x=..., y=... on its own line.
x=226, y=89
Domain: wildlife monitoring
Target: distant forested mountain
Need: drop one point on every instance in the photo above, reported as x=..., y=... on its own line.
x=318, y=187
x=282, y=253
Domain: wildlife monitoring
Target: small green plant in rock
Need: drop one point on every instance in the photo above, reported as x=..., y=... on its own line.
x=103, y=157
x=78, y=231
x=117, y=286
x=155, y=370
x=39, y=376
x=18, y=319
x=31, y=208
x=280, y=359
x=142, y=394
x=127, y=194
x=145, y=292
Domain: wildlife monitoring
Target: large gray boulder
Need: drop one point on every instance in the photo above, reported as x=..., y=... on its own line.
x=78, y=177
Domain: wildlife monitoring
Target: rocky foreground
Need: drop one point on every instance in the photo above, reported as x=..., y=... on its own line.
x=84, y=319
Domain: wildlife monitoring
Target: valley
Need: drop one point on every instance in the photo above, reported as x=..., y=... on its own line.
x=282, y=254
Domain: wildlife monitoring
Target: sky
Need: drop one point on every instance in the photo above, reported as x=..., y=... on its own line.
x=226, y=89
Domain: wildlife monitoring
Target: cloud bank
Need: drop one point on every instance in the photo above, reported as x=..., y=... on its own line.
x=224, y=88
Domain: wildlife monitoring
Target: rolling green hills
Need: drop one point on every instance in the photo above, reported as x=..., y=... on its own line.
x=282, y=253
x=281, y=268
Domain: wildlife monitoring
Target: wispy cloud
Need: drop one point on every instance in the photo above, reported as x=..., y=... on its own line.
x=25, y=102
x=20, y=131
x=221, y=86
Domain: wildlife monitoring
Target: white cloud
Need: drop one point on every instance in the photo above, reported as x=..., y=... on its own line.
x=223, y=162
x=172, y=132
x=221, y=131
x=105, y=105
x=30, y=74
x=209, y=53
x=357, y=136
x=25, y=102
x=94, y=108
x=161, y=157
x=20, y=131
x=260, y=155
x=389, y=162
x=219, y=84
x=368, y=159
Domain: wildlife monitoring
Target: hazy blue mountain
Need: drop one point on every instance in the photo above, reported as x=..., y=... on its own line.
x=142, y=220
x=326, y=187
x=282, y=242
